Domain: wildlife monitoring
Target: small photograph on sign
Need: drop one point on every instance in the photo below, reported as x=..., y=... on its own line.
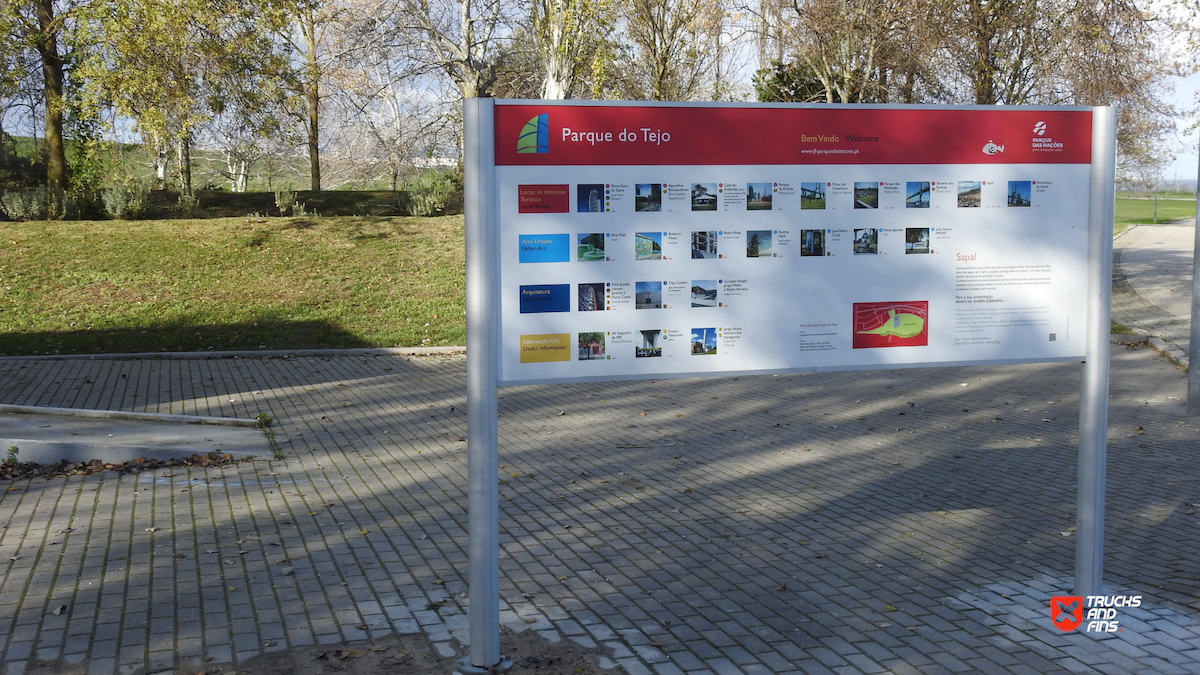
x=592, y=297
x=704, y=245
x=812, y=242
x=589, y=198
x=648, y=295
x=891, y=324
x=543, y=198
x=916, y=240
x=916, y=195
x=591, y=247
x=704, y=293
x=545, y=348
x=866, y=241
x=812, y=196
x=970, y=194
x=704, y=196
x=647, y=246
x=650, y=345
x=866, y=195
x=647, y=197
x=591, y=346
x=704, y=341
x=758, y=196
x=758, y=243
x=1020, y=193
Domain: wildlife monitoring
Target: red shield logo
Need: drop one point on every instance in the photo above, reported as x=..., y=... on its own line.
x=1066, y=611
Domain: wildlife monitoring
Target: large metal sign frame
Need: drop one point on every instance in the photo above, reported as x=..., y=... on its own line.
x=485, y=337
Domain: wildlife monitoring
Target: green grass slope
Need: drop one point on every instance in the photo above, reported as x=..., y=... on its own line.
x=230, y=283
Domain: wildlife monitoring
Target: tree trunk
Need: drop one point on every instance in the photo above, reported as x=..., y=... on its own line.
x=314, y=135
x=160, y=166
x=52, y=73
x=557, y=82
x=230, y=170
x=553, y=88
x=312, y=96
x=184, y=151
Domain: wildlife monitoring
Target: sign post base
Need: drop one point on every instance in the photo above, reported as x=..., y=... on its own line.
x=464, y=666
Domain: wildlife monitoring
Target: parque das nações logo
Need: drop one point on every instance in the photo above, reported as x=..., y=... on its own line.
x=535, y=135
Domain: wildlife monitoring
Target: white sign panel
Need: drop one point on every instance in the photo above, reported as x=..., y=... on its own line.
x=641, y=241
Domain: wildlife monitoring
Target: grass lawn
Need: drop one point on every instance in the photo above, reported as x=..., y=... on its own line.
x=1141, y=211
x=86, y=287
x=230, y=283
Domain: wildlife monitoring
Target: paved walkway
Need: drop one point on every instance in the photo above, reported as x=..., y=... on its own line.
x=1152, y=280
x=911, y=521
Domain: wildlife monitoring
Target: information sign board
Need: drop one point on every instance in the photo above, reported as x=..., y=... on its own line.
x=666, y=241
x=611, y=240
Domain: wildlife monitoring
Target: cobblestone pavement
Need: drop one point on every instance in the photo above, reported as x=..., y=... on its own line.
x=1152, y=280
x=909, y=521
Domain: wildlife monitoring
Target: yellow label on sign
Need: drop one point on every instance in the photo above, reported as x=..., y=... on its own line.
x=543, y=348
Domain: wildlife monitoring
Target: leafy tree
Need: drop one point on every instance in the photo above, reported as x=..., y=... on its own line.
x=40, y=26
x=14, y=72
x=788, y=83
x=312, y=31
x=850, y=51
x=171, y=65
x=1071, y=52
x=1006, y=52
x=459, y=40
x=671, y=48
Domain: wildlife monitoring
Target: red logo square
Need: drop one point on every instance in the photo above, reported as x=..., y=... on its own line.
x=1066, y=611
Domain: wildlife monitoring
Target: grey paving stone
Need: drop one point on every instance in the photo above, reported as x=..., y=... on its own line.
x=719, y=570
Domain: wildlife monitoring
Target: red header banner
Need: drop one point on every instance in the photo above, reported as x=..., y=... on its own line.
x=550, y=134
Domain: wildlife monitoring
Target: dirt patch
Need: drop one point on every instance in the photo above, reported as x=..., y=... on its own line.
x=414, y=655
x=10, y=468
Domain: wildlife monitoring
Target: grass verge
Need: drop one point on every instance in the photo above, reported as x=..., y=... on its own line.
x=230, y=284
x=1141, y=211
x=1119, y=329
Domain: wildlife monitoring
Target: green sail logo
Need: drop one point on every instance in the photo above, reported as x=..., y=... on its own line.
x=535, y=136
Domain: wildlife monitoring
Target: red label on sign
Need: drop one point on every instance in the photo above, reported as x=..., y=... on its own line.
x=611, y=135
x=544, y=198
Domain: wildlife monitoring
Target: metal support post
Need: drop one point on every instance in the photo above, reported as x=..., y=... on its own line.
x=1093, y=400
x=1193, y=392
x=483, y=274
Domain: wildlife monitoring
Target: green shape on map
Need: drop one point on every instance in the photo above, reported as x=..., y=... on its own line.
x=900, y=325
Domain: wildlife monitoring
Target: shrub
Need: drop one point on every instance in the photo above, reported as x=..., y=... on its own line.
x=188, y=202
x=23, y=204
x=286, y=199
x=128, y=200
x=31, y=204
x=430, y=194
